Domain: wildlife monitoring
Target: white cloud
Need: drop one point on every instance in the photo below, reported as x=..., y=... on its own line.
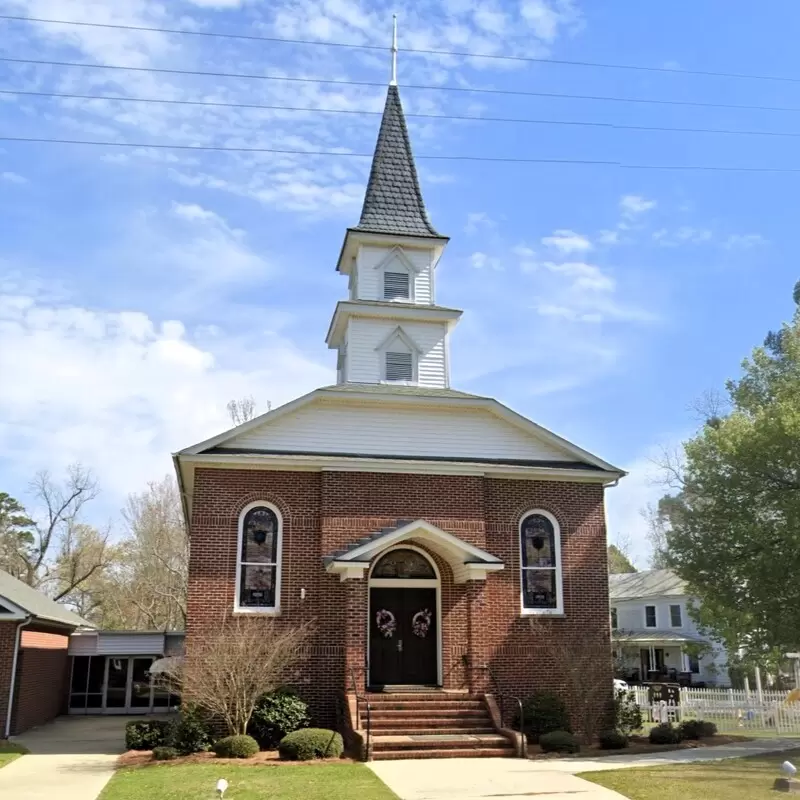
x=477, y=221
x=546, y=18
x=632, y=205
x=216, y=4
x=683, y=235
x=567, y=241
x=12, y=177
x=483, y=261
x=608, y=237
x=119, y=390
x=583, y=276
x=744, y=241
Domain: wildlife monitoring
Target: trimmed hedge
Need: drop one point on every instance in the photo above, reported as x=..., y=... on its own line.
x=612, y=740
x=665, y=733
x=697, y=729
x=277, y=714
x=147, y=734
x=559, y=742
x=236, y=747
x=311, y=743
x=544, y=712
x=165, y=753
x=191, y=732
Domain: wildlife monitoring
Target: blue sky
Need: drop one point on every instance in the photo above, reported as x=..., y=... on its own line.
x=140, y=289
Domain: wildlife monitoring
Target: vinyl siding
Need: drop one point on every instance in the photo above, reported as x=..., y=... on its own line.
x=400, y=431
x=369, y=279
x=364, y=360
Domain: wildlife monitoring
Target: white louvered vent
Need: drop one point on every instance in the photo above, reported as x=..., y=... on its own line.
x=396, y=286
x=399, y=367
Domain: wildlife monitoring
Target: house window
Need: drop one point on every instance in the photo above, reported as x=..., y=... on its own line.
x=258, y=571
x=540, y=564
x=649, y=616
x=694, y=665
x=396, y=285
x=399, y=366
x=675, y=618
x=614, y=623
x=403, y=564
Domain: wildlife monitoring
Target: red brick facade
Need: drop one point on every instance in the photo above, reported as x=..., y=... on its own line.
x=481, y=620
x=42, y=674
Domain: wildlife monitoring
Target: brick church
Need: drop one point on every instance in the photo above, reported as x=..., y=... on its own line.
x=419, y=527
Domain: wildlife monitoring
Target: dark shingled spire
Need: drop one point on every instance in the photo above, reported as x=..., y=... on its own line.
x=393, y=202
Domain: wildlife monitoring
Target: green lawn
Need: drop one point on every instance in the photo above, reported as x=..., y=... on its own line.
x=288, y=782
x=737, y=779
x=9, y=751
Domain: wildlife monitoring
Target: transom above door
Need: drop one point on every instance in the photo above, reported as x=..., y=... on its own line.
x=404, y=631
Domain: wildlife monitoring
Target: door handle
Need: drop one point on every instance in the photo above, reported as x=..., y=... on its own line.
x=399, y=645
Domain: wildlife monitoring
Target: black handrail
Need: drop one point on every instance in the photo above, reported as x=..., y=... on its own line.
x=359, y=699
x=501, y=697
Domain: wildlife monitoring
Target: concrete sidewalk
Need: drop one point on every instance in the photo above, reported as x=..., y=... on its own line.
x=72, y=758
x=473, y=778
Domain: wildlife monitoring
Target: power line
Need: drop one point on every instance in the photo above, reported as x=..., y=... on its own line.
x=417, y=51
x=366, y=112
x=491, y=159
x=382, y=85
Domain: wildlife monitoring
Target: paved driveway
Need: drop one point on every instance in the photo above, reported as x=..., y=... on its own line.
x=71, y=759
x=484, y=778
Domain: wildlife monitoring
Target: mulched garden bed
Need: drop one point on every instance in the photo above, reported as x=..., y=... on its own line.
x=638, y=745
x=144, y=758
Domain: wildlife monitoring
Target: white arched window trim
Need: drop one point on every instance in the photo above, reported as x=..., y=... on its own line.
x=542, y=612
x=270, y=610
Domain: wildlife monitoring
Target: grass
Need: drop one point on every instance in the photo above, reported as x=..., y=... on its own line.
x=742, y=779
x=9, y=751
x=288, y=782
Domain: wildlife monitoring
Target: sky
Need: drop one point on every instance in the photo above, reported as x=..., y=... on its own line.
x=143, y=288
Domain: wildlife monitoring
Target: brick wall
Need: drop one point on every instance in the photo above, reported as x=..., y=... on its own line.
x=42, y=677
x=8, y=634
x=480, y=620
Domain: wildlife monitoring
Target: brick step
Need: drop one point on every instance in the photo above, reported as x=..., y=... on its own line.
x=456, y=752
x=421, y=705
x=433, y=731
x=437, y=742
x=424, y=713
x=427, y=697
x=429, y=722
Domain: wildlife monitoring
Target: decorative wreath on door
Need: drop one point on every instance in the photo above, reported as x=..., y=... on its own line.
x=421, y=623
x=386, y=623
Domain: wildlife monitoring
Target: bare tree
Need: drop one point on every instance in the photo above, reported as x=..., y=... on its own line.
x=152, y=572
x=242, y=410
x=585, y=670
x=227, y=669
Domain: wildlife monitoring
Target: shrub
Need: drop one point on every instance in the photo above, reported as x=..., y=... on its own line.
x=191, y=732
x=665, y=733
x=147, y=734
x=236, y=747
x=277, y=714
x=544, y=712
x=612, y=740
x=707, y=729
x=559, y=742
x=697, y=729
x=627, y=714
x=310, y=743
x=165, y=753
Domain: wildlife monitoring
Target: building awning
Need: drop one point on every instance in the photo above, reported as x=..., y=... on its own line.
x=655, y=637
x=468, y=562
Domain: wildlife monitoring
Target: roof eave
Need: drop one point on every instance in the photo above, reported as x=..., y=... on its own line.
x=355, y=237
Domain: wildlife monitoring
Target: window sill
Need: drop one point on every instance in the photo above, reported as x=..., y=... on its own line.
x=542, y=612
x=262, y=612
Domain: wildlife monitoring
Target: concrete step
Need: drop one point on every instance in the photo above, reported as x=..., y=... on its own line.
x=455, y=752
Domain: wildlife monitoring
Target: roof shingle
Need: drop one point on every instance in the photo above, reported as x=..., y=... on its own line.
x=393, y=201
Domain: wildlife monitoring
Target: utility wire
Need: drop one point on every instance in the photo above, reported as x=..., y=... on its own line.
x=382, y=85
x=418, y=51
x=491, y=159
x=364, y=112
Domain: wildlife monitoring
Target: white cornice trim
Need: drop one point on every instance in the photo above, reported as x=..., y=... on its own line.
x=354, y=239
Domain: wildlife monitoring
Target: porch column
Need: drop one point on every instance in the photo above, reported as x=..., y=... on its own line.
x=355, y=634
x=478, y=650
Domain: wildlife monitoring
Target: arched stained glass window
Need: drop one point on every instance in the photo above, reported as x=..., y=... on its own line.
x=539, y=564
x=259, y=556
x=403, y=564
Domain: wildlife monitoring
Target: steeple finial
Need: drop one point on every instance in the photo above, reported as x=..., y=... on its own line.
x=393, y=81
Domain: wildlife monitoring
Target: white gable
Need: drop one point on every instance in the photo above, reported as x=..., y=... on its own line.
x=386, y=430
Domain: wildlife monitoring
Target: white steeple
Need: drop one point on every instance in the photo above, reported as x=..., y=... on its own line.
x=390, y=329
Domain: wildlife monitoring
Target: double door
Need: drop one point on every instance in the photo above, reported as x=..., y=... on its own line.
x=403, y=637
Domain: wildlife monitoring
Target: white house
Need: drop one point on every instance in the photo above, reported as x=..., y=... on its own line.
x=654, y=636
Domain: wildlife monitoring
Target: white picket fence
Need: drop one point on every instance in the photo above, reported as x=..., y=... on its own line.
x=731, y=710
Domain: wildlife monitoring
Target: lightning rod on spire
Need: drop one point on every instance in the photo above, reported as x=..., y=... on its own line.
x=393, y=81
